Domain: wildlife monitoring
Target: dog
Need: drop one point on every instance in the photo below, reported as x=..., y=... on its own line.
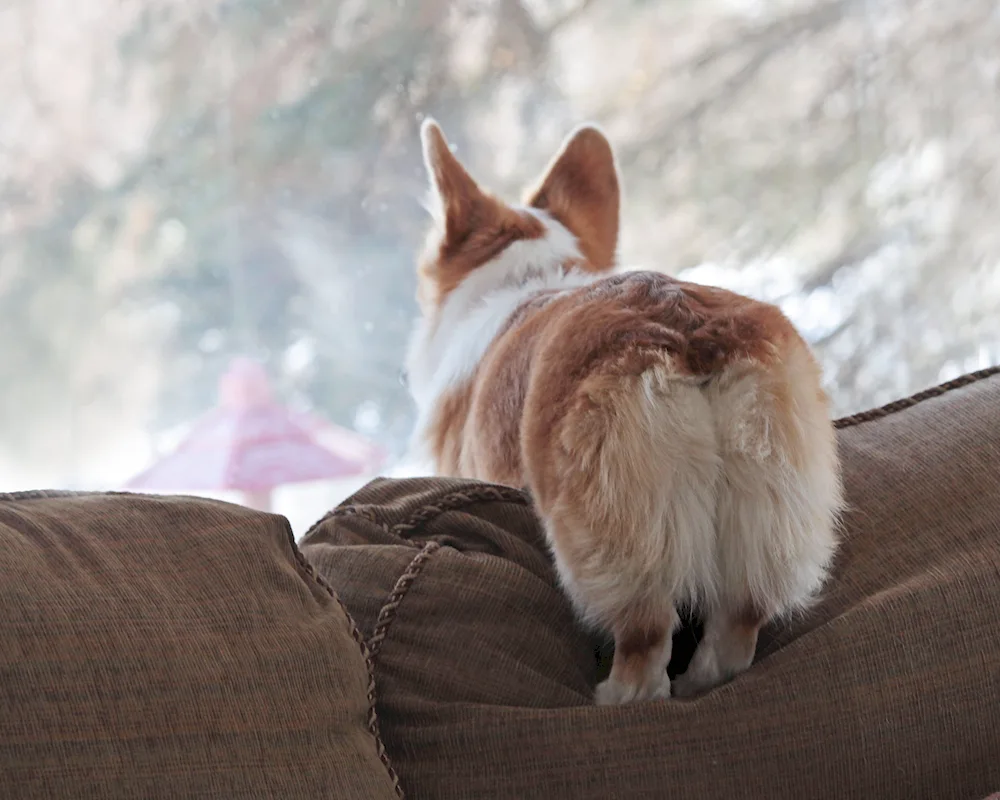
x=675, y=438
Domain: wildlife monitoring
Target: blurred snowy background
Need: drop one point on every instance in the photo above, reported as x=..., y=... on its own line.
x=185, y=181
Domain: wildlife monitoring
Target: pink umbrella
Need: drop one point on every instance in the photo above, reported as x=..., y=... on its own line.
x=252, y=444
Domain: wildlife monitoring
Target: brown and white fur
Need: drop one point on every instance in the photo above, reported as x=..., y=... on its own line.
x=675, y=437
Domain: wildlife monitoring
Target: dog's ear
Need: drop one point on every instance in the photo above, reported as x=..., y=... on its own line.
x=457, y=203
x=580, y=189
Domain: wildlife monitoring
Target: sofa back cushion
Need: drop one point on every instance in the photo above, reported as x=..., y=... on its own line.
x=887, y=689
x=172, y=647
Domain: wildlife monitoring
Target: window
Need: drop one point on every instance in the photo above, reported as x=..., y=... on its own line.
x=185, y=183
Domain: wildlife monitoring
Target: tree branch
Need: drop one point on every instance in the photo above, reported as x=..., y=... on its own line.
x=860, y=248
x=811, y=20
x=759, y=47
x=568, y=17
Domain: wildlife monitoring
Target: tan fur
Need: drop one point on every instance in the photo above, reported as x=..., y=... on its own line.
x=583, y=195
x=675, y=437
x=476, y=225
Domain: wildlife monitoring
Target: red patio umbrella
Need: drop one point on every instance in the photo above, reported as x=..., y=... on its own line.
x=252, y=444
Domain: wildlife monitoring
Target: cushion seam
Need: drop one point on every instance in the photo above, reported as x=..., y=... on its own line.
x=59, y=494
x=419, y=517
x=359, y=510
x=387, y=613
x=372, y=717
x=908, y=402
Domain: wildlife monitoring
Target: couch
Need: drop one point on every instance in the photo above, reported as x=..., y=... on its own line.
x=414, y=643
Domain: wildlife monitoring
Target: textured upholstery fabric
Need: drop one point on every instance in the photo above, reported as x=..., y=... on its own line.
x=888, y=688
x=172, y=648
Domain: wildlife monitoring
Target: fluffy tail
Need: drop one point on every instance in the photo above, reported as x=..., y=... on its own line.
x=633, y=472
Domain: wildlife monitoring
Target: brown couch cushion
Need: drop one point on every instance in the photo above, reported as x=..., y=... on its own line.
x=887, y=689
x=172, y=647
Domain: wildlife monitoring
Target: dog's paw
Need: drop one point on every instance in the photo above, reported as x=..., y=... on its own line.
x=663, y=690
x=614, y=693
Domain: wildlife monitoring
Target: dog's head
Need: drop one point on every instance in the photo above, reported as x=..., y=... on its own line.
x=569, y=219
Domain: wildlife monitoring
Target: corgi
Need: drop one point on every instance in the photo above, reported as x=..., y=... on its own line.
x=675, y=438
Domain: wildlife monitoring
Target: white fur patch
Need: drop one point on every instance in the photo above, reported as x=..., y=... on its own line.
x=445, y=350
